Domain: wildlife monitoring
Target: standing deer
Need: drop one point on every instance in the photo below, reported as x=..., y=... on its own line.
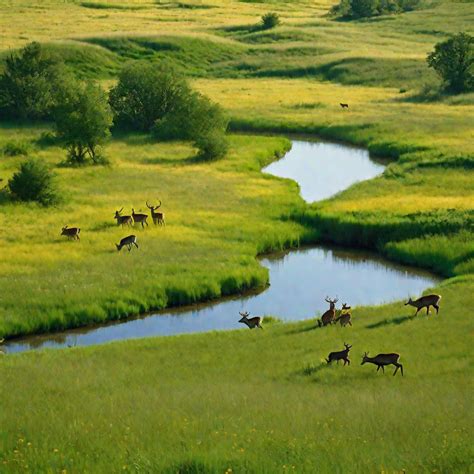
x=329, y=316
x=127, y=241
x=345, y=316
x=158, y=217
x=341, y=355
x=123, y=220
x=252, y=322
x=425, y=302
x=71, y=232
x=344, y=106
x=139, y=218
x=381, y=360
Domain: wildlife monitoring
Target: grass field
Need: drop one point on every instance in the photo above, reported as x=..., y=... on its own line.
x=242, y=401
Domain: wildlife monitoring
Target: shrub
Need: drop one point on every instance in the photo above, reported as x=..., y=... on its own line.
x=28, y=84
x=212, y=146
x=453, y=60
x=369, y=8
x=270, y=20
x=34, y=182
x=146, y=93
x=16, y=148
x=83, y=120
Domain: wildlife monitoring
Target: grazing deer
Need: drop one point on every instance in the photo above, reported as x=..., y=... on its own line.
x=344, y=106
x=158, y=217
x=127, y=241
x=71, y=232
x=345, y=317
x=329, y=316
x=382, y=360
x=341, y=355
x=122, y=220
x=255, y=322
x=425, y=302
x=139, y=218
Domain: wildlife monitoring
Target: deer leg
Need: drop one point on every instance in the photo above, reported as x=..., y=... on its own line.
x=350, y=324
x=428, y=309
x=436, y=307
x=397, y=367
x=418, y=309
x=136, y=245
x=383, y=368
x=378, y=367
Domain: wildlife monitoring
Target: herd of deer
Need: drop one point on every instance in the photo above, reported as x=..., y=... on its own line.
x=158, y=218
x=329, y=317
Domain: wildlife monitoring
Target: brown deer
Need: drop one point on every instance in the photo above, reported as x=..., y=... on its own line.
x=123, y=220
x=341, y=355
x=71, y=232
x=344, y=106
x=139, y=218
x=128, y=242
x=425, y=302
x=345, y=317
x=381, y=360
x=329, y=316
x=255, y=322
x=158, y=217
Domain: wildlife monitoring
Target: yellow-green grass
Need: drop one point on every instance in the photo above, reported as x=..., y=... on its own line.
x=251, y=401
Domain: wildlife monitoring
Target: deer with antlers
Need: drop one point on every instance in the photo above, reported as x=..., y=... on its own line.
x=157, y=217
x=330, y=315
x=340, y=355
x=381, y=360
x=139, y=218
x=425, y=302
x=255, y=322
x=123, y=220
x=345, y=317
x=71, y=233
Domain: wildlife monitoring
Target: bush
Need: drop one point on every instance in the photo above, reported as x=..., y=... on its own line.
x=453, y=60
x=146, y=93
x=270, y=20
x=369, y=8
x=28, y=84
x=83, y=120
x=212, y=146
x=16, y=148
x=34, y=182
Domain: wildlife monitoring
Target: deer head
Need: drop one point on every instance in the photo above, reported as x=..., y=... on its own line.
x=365, y=358
x=332, y=303
x=347, y=346
x=410, y=301
x=153, y=208
x=118, y=213
x=244, y=315
x=345, y=307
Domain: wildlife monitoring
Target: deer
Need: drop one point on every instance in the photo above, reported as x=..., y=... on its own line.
x=341, y=355
x=329, y=316
x=123, y=220
x=425, y=302
x=344, y=106
x=345, y=316
x=381, y=360
x=255, y=322
x=157, y=217
x=71, y=232
x=127, y=241
x=139, y=218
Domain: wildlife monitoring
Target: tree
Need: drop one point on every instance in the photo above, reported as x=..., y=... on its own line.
x=270, y=20
x=83, y=120
x=364, y=8
x=453, y=60
x=34, y=182
x=146, y=93
x=28, y=84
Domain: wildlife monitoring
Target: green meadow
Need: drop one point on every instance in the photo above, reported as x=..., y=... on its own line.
x=240, y=401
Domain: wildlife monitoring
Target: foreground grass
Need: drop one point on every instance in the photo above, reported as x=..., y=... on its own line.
x=251, y=401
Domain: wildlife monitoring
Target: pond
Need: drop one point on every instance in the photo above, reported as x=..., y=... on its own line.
x=299, y=279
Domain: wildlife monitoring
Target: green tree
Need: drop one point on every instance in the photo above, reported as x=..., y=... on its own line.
x=83, y=120
x=270, y=20
x=146, y=93
x=364, y=8
x=28, y=84
x=34, y=182
x=453, y=60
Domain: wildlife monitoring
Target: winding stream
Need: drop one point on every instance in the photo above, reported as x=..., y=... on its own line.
x=300, y=279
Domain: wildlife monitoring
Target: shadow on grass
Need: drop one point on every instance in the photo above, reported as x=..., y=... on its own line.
x=389, y=322
x=311, y=369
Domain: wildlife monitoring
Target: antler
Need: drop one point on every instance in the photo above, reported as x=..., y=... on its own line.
x=244, y=314
x=120, y=210
x=149, y=207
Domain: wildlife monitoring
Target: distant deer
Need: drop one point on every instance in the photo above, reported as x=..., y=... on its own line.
x=344, y=106
x=255, y=322
x=71, y=232
x=341, y=355
x=127, y=241
x=330, y=315
x=345, y=317
x=382, y=360
x=123, y=220
x=139, y=218
x=425, y=302
x=158, y=217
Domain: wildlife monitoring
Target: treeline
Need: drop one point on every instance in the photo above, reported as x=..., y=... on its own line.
x=35, y=85
x=353, y=9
